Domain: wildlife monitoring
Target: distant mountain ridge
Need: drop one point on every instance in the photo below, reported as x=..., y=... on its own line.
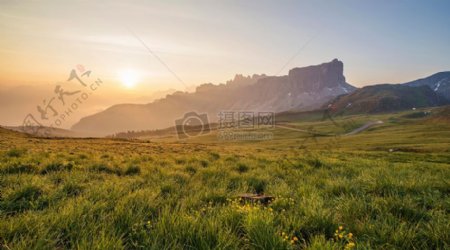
x=305, y=88
x=425, y=92
x=42, y=131
x=439, y=83
x=386, y=98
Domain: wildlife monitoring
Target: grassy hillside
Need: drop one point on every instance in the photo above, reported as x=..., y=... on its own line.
x=384, y=188
x=387, y=98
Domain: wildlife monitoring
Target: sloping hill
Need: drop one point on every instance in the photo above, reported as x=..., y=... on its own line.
x=441, y=114
x=8, y=133
x=439, y=83
x=41, y=132
x=386, y=98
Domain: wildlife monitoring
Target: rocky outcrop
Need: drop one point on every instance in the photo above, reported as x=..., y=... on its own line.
x=316, y=78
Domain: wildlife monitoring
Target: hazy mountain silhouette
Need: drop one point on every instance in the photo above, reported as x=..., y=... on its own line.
x=302, y=89
x=18, y=101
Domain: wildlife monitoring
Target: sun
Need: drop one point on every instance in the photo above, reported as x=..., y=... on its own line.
x=129, y=78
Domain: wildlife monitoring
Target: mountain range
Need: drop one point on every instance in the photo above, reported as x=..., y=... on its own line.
x=303, y=89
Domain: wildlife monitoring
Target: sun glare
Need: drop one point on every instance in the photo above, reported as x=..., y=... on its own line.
x=128, y=78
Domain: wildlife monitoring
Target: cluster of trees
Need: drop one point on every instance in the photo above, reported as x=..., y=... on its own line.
x=132, y=134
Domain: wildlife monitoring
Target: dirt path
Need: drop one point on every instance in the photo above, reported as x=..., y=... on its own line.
x=364, y=127
x=353, y=132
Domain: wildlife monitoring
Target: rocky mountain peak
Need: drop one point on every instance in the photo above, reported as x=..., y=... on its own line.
x=317, y=77
x=242, y=80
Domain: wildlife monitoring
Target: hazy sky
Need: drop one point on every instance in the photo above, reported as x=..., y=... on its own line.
x=210, y=41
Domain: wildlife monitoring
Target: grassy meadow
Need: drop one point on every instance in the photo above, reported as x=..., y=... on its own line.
x=385, y=188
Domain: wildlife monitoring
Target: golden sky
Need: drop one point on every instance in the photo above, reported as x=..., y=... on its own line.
x=187, y=43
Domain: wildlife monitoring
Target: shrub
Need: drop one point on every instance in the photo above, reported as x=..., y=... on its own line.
x=56, y=167
x=103, y=168
x=82, y=156
x=72, y=189
x=204, y=163
x=242, y=168
x=29, y=197
x=18, y=168
x=191, y=170
x=166, y=190
x=133, y=170
x=315, y=163
x=214, y=156
x=180, y=161
x=16, y=152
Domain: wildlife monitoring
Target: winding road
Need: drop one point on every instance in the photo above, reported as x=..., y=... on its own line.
x=367, y=125
x=364, y=127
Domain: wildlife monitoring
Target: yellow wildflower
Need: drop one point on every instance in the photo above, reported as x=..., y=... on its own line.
x=350, y=245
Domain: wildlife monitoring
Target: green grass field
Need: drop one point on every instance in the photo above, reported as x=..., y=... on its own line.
x=385, y=188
